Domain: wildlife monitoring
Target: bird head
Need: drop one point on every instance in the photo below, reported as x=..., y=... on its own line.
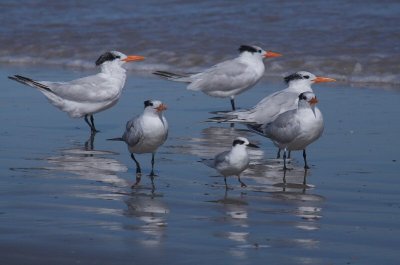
x=118, y=57
x=257, y=51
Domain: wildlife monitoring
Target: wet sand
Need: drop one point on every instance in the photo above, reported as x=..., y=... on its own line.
x=63, y=203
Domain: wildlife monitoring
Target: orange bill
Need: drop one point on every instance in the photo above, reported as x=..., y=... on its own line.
x=321, y=79
x=161, y=107
x=313, y=101
x=132, y=58
x=270, y=54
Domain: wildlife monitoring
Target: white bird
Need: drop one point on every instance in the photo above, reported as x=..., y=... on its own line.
x=145, y=133
x=268, y=109
x=232, y=162
x=228, y=78
x=88, y=95
x=295, y=129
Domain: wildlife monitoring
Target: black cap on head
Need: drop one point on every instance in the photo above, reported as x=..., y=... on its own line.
x=292, y=77
x=107, y=56
x=237, y=141
x=247, y=48
x=148, y=103
x=302, y=96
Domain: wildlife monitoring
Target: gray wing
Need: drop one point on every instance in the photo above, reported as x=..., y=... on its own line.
x=220, y=159
x=94, y=88
x=284, y=129
x=133, y=132
x=268, y=109
x=225, y=76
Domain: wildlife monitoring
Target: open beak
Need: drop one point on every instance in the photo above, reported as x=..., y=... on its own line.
x=162, y=107
x=253, y=145
x=132, y=58
x=321, y=79
x=313, y=101
x=270, y=54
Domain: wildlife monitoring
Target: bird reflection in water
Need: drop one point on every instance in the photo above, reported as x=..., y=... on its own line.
x=149, y=211
x=88, y=163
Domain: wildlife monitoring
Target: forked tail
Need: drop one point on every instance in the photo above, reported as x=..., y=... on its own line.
x=29, y=82
x=173, y=76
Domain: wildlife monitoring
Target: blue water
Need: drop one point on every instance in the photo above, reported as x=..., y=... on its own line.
x=354, y=41
x=62, y=203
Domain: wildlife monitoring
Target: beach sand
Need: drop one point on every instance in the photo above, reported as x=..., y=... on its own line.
x=62, y=203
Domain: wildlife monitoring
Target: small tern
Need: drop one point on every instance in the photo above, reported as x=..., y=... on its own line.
x=232, y=162
x=145, y=133
x=228, y=78
x=86, y=96
x=295, y=129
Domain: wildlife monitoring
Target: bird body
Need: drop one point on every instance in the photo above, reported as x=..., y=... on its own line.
x=86, y=96
x=295, y=129
x=145, y=134
x=228, y=78
x=232, y=162
x=268, y=109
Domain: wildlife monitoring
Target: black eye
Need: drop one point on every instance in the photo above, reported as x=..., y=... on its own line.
x=306, y=76
x=118, y=56
x=259, y=51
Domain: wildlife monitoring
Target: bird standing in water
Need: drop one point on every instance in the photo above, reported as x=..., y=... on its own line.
x=86, y=96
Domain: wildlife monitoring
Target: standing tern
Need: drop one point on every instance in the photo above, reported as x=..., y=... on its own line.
x=232, y=162
x=268, y=109
x=88, y=95
x=145, y=133
x=295, y=129
x=228, y=78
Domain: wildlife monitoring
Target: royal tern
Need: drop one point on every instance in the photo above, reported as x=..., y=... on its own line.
x=228, y=78
x=268, y=109
x=145, y=133
x=88, y=95
x=295, y=129
x=232, y=162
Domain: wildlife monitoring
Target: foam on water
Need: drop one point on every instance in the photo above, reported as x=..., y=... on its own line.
x=354, y=41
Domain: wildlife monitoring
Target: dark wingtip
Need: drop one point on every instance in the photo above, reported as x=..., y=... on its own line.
x=115, y=139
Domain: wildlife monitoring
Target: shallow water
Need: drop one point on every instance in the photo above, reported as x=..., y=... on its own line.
x=354, y=41
x=63, y=203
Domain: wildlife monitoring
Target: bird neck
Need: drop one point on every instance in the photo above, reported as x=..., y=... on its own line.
x=112, y=68
x=249, y=57
x=239, y=149
x=300, y=87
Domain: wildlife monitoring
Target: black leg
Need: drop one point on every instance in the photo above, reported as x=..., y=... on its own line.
x=152, y=165
x=305, y=159
x=138, y=171
x=278, y=155
x=93, y=127
x=284, y=159
x=233, y=104
x=242, y=184
x=91, y=123
x=226, y=184
x=87, y=121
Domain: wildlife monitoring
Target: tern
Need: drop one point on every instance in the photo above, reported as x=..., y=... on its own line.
x=229, y=78
x=86, y=96
x=295, y=129
x=268, y=109
x=145, y=134
x=233, y=162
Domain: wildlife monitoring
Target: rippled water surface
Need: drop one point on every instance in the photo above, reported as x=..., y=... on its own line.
x=67, y=200
x=354, y=41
